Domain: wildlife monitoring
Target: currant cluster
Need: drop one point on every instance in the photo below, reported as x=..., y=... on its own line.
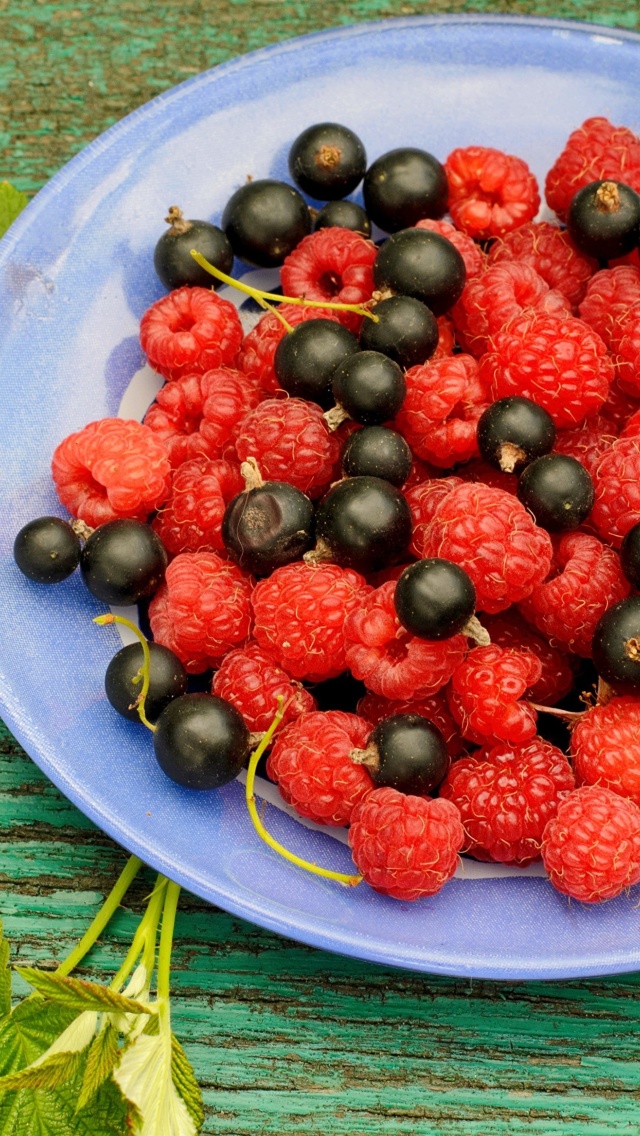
x=404, y=508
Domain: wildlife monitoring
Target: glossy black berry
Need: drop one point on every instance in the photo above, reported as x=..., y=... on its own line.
x=403, y=186
x=201, y=741
x=434, y=598
x=327, y=161
x=377, y=451
x=265, y=220
x=422, y=264
x=616, y=646
x=267, y=527
x=370, y=386
x=307, y=356
x=630, y=556
x=604, y=219
x=123, y=681
x=406, y=331
x=513, y=432
x=406, y=752
x=47, y=550
x=364, y=523
x=172, y=256
x=343, y=215
x=558, y=491
x=123, y=562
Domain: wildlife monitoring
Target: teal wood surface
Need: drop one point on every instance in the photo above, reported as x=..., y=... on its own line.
x=284, y=1039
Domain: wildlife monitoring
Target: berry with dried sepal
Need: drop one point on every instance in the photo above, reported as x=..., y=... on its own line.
x=172, y=258
x=47, y=550
x=406, y=752
x=434, y=599
x=597, y=150
x=514, y=431
x=616, y=645
x=433, y=707
x=200, y=741
x=369, y=387
x=327, y=161
x=604, y=219
x=269, y=524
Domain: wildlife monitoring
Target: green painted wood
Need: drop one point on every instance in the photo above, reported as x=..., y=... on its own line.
x=285, y=1040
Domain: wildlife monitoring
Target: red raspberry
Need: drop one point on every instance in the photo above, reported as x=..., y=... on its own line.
x=300, y=613
x=332, y=264
x=493, y=537
x=610, y=294
x=560, y=363
x=446, y=339
x=405, y=846
x=388, y=659
x=617, y=485
x=197, y=416
x=587, y=442
x=595, y=151
x=625, y=348
x=112, y=468
x=605, y=746
x=552, y=253
x=439, y=415
x=290, y=441
x=588, y=579
x=202, y=610
x=619, y=407
x=434, y=707
x=506, y=796
x=259, y=348
x=474, y=259
x=509, y=629
x=480, y=470
x=490, y=193
x=311, y=764
x=632, y=428
x=251, y=680
x=485, y=691
x=190, y=331
x=421, y=471
x=503, y=291
x=191, y=520
x=423, y=500
x=591, y=848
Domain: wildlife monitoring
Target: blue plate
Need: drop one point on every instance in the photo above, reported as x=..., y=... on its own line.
x=75, y=276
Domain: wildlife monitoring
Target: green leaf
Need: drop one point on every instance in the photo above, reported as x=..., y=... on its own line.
x=5, y=976
x=29, y=1031
x=12, y=202
x=184, y=1080
x=47, y=1113
x=104, y=1055
x=51, y=1073
x=78, y=994
x=144, y=1076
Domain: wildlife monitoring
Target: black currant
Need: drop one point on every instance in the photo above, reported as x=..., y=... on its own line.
x=604, y=219
x=327, y=161
x=201, y=741
x=406, y=331
x=406, y=752
x=422, y=264
x=377, y=451
x=268, y=526
x=434, y=598
x=403, y=186
x=370, y=386
x=363, y=523
x=630, y=556
x=514, y=431
x=343, y=215
x=558, y=491
x=172, y=258
x=265, y=220
x=123, y=562
x=307, y=357
x=123, y=680
x=47, y=550
x=616, y=645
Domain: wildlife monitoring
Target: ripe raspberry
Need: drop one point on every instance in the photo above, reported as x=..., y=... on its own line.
x=481, y=471
x=493, y=537
x=420, y=472
x=290, y=441
x=332, y=264
x=251, y=680
x=446, y=338
x=591, y=848
x=300, y=613
x=485, y=691
x=596, y=151
x=197, y=416
x=587, y=442
x=503, y=291
x=388, y=659
x=434, y=707
x=560, y=363
x=112, y=468
x=311, y=764
x=490, y=193
x=632, y=428
x=506, y=796
x=258, y=350
x=509, y=629
x=617, y=485
x=605, y=746
x=619, y=407
x=440, y=413
x=202, y=610
x=625, y=348
x=588, y=579
x=405, y=846
x=191, y=520
x=610, y=293
x=190, y=331
x=423, y=500
x=475, y=260
x=553, y=255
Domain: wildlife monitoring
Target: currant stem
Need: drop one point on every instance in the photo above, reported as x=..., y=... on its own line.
x=102, y=620
x=144, y=938
x=164, y=953
x=109, y=907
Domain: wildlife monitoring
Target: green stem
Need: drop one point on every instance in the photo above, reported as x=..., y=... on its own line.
x=140, y=702
x=166, y=943
x=109, y=907
x=144, y=938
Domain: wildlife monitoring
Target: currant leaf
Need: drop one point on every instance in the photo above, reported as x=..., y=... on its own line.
x=78, y=994
x=12, y=202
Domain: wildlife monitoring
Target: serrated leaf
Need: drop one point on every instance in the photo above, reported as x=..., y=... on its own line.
x=103, y=1056
x=5, y=976
x=145, y=1078
x=79, y=994
x=50, y=1073
x=49, y=1113
x=12, y=202
x=29, y=1031
x=185, y=1082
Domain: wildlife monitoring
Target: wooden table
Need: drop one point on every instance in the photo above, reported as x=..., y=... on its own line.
x=284, y=1039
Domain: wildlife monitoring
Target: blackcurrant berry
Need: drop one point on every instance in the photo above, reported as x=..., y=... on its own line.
x=377, y=451
x=403, y=186
x=307, y=357
x=265, y=220
x=422, y=264
x=327, y=161
x=267, y=527
x=406, y=331
x=172, y=256
x=558, y=491
x=604, y=219
x=630, y=556
x=201, y=741
x=370, y=386
x=616, y=645
x=47, y=550
x=406, y=752
x=434, y=598
x=513, y=432
x=343, y=215
x=123, y=562
x=123, y=680
x=364, y=523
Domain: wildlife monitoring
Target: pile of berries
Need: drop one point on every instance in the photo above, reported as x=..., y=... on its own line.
x=404, y=507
